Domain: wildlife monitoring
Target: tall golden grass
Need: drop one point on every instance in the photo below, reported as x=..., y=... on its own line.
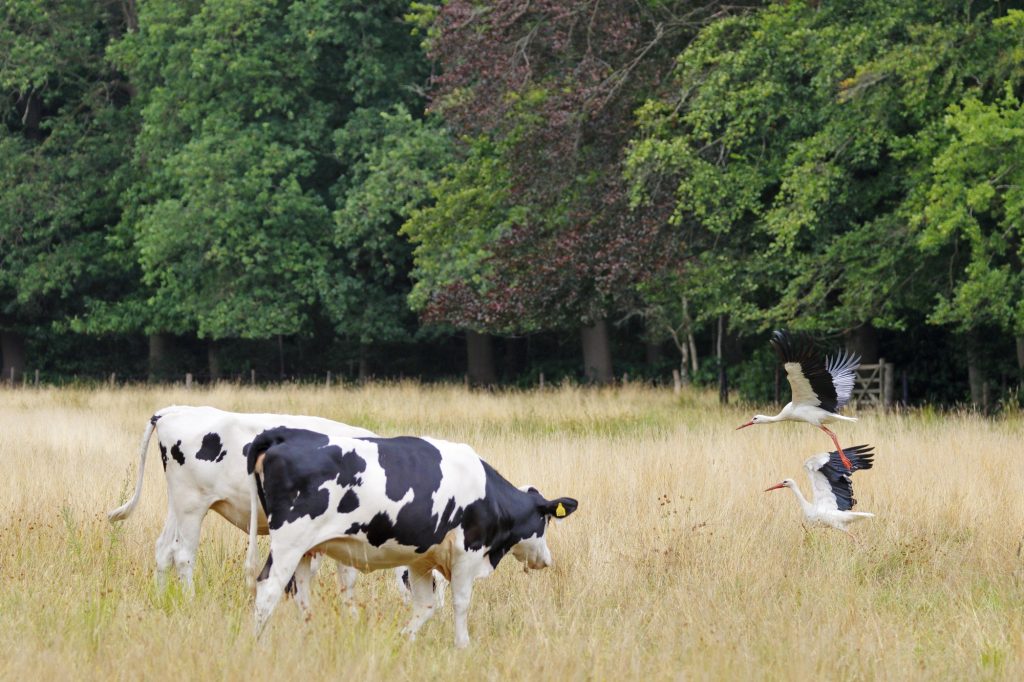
x=676, y=566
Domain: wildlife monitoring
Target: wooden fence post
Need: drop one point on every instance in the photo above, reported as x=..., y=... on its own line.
x=113, y=379
x=677, y=382
x=252, y=377
x=542, y=380
x=888, y=384
x=327, y=382
x=188, y=380
x=37, y=377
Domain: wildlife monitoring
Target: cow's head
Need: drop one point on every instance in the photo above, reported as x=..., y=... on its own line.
x=532, y=549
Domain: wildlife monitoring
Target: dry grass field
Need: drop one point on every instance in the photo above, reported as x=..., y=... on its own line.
x=676, y=566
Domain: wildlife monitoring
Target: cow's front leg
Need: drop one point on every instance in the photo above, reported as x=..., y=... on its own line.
x=347, y=585
x=270, y=589
x=421, y=589
x=463, y=574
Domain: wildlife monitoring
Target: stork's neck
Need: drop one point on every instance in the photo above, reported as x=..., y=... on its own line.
x=804, y=504
x=781, y=416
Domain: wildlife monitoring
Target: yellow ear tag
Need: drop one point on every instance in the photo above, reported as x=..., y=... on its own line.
x=559, y=510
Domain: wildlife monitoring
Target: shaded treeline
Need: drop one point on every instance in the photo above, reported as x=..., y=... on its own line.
x=573, y=188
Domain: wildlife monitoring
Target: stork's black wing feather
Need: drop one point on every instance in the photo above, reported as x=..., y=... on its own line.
x=861, y=457
x=801, y=349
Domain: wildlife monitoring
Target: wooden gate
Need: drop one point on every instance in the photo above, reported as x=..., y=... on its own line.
x=874, y=385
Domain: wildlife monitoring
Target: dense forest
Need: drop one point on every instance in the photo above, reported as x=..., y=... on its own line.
x=502, y=190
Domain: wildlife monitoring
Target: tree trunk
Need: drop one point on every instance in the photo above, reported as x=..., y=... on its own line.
x=12, y=347
x=1020, y=355
x=213, y=360
x=364, y=364
x=694, y=363
x=684, y=361
x=159, y=363
x=863, y=341
x=652, y=353
x=597, y=353
x=975, y=375
x=723, y=379
x=280, y=356
x=480, y=359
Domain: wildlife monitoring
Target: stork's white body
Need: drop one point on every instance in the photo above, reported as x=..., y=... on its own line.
x=804, y=412
x=831, y=488
x=823, y=511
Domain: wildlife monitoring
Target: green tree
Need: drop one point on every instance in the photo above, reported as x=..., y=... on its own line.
x=66, y=130
x=391, y=159
x=238, y=172
x=794, y=144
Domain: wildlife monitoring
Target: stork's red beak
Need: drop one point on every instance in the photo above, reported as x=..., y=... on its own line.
x=743, y=426
x=776, y=487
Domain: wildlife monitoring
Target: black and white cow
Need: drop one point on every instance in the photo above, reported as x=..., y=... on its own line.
x=374, y=503
x=203, y=452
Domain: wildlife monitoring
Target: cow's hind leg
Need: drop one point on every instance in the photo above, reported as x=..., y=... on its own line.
x=421, y=589
x=347, y=584
x=165, y=548
x=303, y=578
x=186, y=544
x=283, y=565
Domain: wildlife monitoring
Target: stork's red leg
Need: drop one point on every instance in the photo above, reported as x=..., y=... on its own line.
x=842, y=455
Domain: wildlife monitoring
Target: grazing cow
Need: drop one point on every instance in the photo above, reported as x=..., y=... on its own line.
x=374, y=503
x=203, y=452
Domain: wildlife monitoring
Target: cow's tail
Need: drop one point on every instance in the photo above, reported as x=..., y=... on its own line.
x=251, y=567
x=125, y=510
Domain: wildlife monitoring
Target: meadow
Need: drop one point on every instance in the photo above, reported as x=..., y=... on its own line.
x=676, y=566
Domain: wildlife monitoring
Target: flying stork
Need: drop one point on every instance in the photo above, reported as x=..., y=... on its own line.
x=831, y=487
x=820, y=385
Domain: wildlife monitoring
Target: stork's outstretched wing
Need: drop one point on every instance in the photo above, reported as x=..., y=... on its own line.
x=843, y=368
x=831, y=482
x=815, y=380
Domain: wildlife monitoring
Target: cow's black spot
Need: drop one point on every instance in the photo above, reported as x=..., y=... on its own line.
x=349, y=502
x=298, y=463
x=211, y=449
x=379, y=530
x=405, y=579
x=504, y=516
x=411, y=464
x=177, y=454
x=163, y=456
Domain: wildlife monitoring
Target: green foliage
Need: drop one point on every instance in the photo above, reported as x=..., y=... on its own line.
x=392, y=159
x=470, y=210
x=795, y=144
x=231, y=216
x=975, y=201
x=63, y=147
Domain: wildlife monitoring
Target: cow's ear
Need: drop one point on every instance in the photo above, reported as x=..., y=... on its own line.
x=560, y=508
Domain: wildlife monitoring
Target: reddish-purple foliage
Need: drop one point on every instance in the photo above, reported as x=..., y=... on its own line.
x=595, y=61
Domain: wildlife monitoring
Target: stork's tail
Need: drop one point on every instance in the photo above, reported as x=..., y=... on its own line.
x=125, y=510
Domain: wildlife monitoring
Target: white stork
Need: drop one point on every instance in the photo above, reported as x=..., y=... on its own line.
x=820, y=385
x=831, y=487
